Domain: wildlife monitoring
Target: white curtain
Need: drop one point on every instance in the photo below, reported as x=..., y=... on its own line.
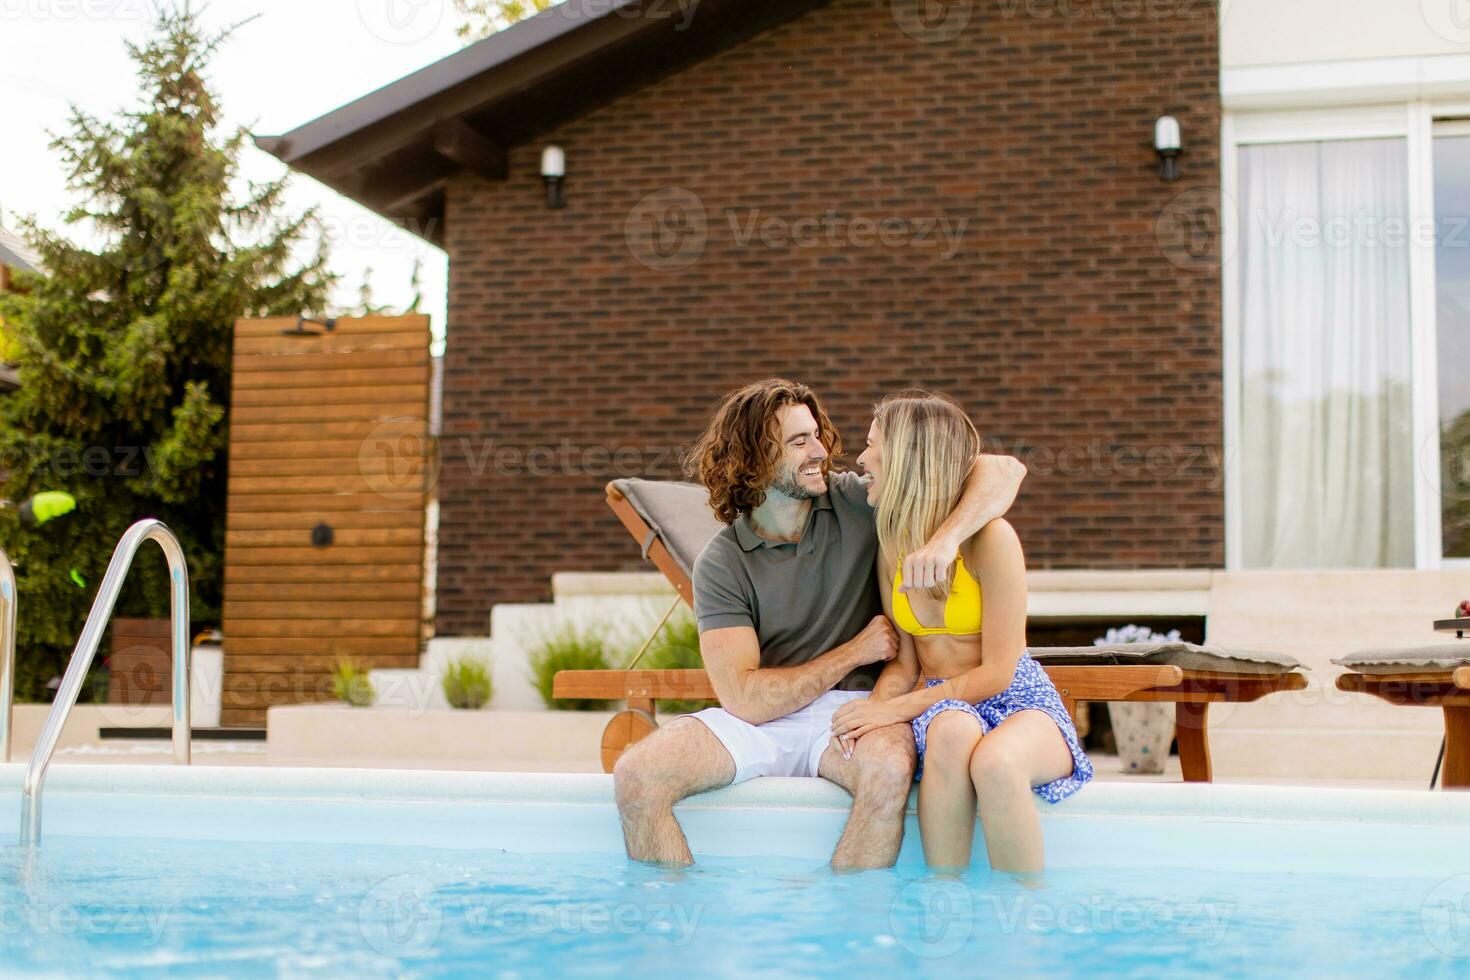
x=1327, y=451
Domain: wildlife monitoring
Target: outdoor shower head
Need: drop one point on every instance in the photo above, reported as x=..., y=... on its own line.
x=300, y=330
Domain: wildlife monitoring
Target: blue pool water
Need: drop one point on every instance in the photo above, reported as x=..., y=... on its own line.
x=119, y=907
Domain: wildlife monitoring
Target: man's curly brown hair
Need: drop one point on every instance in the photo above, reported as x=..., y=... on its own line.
x=737, y=455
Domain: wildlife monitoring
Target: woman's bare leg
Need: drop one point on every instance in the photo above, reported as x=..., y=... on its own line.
x=1025, y=750
x=946, y=792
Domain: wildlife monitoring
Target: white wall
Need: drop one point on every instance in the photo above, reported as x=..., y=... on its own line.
x=1283, y=32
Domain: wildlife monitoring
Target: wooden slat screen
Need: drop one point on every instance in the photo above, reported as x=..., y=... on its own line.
x=327, y=429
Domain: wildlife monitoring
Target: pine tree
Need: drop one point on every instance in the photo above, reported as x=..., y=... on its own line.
x=124, y=349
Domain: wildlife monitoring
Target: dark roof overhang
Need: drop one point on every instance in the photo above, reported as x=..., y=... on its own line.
x=394, y=149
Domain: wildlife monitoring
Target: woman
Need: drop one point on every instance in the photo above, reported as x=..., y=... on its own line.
x=987, y=720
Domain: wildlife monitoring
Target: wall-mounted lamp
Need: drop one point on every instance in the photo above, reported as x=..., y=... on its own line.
x=1166, y=143
x=553, y=169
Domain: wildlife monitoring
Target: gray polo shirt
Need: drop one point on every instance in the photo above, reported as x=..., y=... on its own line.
x=804, y=598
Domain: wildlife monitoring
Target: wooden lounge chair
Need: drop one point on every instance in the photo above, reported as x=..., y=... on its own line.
x=1435, y=676
x=672, y=522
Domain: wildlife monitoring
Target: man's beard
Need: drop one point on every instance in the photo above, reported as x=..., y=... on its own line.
x=786, y=483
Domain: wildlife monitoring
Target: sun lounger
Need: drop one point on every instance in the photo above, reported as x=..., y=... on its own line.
x=1428, y=677
x=672, y=522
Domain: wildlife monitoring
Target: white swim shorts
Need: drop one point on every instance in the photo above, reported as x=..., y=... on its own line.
x=789, y=746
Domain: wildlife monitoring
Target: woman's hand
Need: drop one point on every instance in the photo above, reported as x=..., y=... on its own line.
x=856, y=718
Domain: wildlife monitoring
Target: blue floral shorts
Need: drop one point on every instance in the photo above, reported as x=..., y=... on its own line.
x=1030, y=688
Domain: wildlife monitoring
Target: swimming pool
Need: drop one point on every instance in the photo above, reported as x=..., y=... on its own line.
x=256, y=871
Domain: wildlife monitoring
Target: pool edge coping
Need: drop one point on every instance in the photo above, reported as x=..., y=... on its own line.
x=429, y=786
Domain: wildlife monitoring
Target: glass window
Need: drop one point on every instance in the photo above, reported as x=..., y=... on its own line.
x=1327, y=465
x=1452, y=309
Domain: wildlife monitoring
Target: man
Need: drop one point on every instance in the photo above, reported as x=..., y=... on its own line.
x=791, y=626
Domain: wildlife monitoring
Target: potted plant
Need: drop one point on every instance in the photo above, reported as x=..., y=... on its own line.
x=350, y=684
x=466, y=682
x=570, y=647
x=1142, y=729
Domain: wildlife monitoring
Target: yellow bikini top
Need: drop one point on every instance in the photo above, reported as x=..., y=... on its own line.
x=963, y=610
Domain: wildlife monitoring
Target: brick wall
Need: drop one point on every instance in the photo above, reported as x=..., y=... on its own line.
x=1064, y=309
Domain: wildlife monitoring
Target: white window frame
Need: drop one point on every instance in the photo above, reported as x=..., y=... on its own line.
x=1413, y=121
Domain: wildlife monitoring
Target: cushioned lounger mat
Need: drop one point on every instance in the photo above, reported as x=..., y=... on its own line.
x=678, y=512
x=1406, y=660
x=1186, y=656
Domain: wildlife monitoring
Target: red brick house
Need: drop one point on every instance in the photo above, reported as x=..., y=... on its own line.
x=840, y=192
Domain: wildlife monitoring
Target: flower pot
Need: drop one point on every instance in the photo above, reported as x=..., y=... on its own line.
x=1143, y=730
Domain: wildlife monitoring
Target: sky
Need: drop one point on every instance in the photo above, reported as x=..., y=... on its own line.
x=296, y=60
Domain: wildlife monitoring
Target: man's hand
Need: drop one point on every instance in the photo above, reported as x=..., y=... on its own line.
x=856, y=718
x=929, y=566
x=990, y=488
x=877, y=643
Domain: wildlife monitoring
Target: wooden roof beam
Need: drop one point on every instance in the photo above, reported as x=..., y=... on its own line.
x=457, y=140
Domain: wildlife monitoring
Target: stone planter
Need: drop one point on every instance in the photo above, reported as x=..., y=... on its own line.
x=1143, y=730
x=522, y=741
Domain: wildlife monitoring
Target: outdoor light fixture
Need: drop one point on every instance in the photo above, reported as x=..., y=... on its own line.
x=1166, y=142
x=553, y=169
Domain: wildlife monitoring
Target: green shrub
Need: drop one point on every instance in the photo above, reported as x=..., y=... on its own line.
x=466, y=682
x=350, y=684
x=676, y=648
x=571, y=648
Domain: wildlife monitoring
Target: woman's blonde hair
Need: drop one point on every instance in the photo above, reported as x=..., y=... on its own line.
x=929, y=445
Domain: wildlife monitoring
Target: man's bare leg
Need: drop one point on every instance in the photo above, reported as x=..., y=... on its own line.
x=677, y=761
x=879, y=776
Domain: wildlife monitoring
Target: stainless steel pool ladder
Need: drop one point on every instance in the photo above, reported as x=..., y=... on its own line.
x=86, y=650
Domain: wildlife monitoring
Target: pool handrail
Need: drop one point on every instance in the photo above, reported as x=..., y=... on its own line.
x=86, y=650
x=8, y=599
